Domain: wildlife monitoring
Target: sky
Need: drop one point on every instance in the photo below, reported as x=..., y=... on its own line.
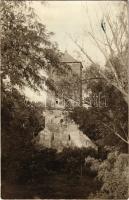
x=75, y=19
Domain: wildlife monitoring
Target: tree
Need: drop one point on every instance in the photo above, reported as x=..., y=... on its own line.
x=26, y=46
x=26, y=50
x=114, y=174
x=113, y=46
x=107, y=125
x=21, y=121
x=113, y=116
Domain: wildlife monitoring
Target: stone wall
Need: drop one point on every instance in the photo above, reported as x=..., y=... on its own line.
x=61, y=132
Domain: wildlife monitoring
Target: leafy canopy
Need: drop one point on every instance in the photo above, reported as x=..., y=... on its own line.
x=26, y=46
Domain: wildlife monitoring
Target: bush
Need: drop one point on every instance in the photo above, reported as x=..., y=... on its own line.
x=73, y=160
x=93, y=164
x=92, y=122
x=21, y=120
x=113, y=173
x=70, y=162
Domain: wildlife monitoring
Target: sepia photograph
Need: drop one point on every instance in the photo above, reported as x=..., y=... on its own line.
x=64, y=99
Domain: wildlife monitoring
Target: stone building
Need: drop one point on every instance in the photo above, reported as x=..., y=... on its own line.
x=55, y=99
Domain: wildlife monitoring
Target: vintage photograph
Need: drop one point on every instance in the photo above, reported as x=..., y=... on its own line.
x=64, y=100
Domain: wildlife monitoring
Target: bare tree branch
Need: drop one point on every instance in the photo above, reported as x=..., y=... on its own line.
x=115, y=132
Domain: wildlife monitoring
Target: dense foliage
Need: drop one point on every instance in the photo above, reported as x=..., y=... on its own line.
x=48, y=162
x=26, y=46
x=95, y=123
x=21, y=121
x=116, y=166
x=105, y=124
x=113, y=173
x=26, y=49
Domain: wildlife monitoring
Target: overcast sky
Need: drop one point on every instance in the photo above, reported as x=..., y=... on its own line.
x=74, y=18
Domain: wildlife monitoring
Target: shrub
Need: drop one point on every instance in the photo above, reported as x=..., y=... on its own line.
x=93, y=164
x=97, y=124
x=21, y=120
x=113, y=173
